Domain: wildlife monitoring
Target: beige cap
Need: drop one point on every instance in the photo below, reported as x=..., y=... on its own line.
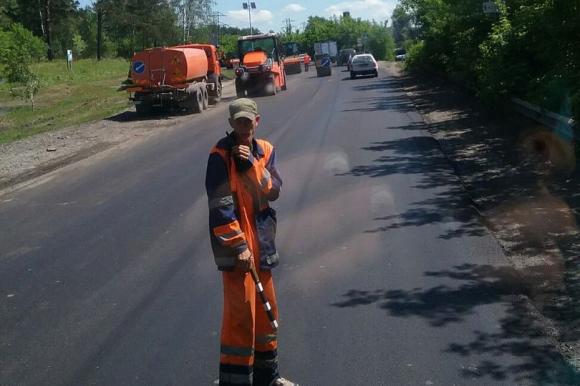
x=243, y=108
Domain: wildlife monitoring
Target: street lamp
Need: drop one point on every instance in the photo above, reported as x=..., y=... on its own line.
x=249, y=5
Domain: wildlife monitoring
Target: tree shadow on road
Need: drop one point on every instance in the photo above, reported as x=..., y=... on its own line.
x=421, y=156
x=397, y=103
x=531, y=209
x=467, y=287
x=393, y=97
x=526, y=184
x=388, y=84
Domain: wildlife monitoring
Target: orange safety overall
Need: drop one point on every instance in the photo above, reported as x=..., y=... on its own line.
x=238, y=199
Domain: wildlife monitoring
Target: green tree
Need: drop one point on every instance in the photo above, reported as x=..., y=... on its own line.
x=79, y=45
x=402, y=28
x=194, y=18
x=380, y=42
x=347, y=31
x=6, y=13
x=229, y=45
x=50, y=19
x=529, y=49
x=135, y=25
x=19, y=49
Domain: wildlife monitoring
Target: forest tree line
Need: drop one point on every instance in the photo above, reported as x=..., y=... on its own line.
x=109, y=28
x=118, y=28
x=528, y=48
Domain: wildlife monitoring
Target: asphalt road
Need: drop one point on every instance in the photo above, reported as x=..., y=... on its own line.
x=387, y=276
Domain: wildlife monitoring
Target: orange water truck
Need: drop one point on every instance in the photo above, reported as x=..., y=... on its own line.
x=184, y=77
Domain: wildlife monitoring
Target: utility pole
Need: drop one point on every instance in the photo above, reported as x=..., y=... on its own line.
x=249, y=5
x=99, y=9
x=184, y=15
x=216, y=21
x=48, y=27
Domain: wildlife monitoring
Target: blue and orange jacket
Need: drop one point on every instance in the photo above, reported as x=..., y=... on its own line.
x=239, y=193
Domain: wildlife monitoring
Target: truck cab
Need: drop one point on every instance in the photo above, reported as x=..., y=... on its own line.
x=261, y=68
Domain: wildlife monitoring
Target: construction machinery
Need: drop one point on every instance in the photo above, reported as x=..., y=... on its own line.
x=185, y=77
x=295, y=58
x=261, y=69
x=323, y=65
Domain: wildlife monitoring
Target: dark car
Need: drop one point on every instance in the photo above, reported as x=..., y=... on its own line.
x=400, y=55
x=344, y=55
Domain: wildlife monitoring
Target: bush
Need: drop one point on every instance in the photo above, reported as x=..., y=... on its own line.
x=18, y=49
x=415, y=59
x=381, y=43
x=528, y=50
x=79, y=45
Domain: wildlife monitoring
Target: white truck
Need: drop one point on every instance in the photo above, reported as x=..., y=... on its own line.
x=329, y=48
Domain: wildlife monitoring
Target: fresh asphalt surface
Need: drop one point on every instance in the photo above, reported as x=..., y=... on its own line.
x=387, y=276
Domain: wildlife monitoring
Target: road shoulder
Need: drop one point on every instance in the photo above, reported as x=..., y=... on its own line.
x=32, y=157
x=527, y=200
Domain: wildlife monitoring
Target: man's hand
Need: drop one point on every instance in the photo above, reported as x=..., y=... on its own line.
x=245, y=260
x=241, y=152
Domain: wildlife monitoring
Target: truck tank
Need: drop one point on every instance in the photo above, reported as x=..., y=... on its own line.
x=168, y=66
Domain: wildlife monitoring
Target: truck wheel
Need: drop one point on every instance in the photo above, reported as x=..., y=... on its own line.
x=205, y=96
x=197, y=97
x=214, y=99
x=270, y=87
x=142, y=109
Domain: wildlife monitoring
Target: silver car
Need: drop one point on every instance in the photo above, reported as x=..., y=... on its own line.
x=363, y=64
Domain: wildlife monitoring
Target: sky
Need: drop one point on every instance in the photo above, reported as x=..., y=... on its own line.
x=271, y=14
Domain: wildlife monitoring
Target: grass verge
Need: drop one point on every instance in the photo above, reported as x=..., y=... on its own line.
x=66, y=98
x=228, y=73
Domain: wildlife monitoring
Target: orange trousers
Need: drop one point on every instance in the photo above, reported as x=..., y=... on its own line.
x=248, y=353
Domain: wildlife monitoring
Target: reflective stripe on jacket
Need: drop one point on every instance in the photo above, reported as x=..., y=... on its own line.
x=239, y=213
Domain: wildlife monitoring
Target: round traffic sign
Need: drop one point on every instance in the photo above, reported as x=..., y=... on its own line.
x=138, y=67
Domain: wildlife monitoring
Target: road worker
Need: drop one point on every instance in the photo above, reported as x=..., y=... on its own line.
x=241, y=180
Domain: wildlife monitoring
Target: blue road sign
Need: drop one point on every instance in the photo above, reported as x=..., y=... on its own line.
x=138, y=67
x=325, y=62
